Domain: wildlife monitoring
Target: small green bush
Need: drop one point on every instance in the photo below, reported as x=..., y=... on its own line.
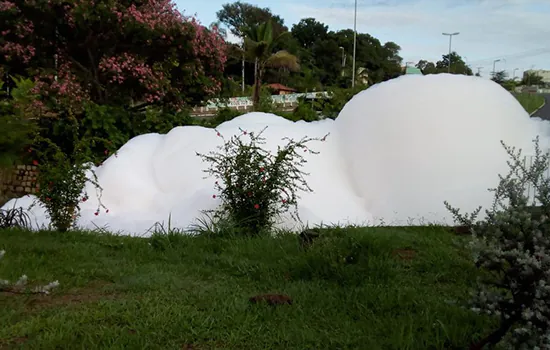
x=339, y=97
x=254, y=185
x=225, y=114
x=305, y=111
x=62, y=177
x=512, y=244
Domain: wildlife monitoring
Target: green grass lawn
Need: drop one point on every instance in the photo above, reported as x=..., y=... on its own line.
x=356, y=288
x=531, y=102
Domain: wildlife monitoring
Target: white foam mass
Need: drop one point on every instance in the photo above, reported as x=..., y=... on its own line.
x=412, y=143
x=396, y=152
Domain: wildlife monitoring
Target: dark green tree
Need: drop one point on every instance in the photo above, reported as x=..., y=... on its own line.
x=426, y=67
x=532, y=79
x=241, y=15
x=458, y=66
x=309, y=31
x=499, y=77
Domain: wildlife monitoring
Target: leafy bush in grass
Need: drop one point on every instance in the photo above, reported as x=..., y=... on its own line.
x=255, y=186
x=513, y=245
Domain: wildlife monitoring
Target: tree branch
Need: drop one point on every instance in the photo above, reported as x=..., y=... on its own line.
x=100, y=91
x=86, y=70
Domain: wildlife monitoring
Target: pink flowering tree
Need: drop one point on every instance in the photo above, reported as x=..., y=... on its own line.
x=110, y=52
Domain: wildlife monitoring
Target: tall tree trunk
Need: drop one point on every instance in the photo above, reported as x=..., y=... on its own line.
x=242, y=72
x=257, y=86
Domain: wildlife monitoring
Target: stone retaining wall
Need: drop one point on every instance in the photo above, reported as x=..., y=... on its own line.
x=17, y=182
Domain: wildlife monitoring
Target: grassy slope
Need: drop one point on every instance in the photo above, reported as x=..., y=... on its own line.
x=531, y=102
x=174, y=292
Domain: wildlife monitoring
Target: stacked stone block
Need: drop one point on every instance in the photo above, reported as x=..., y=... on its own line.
x=20, y=181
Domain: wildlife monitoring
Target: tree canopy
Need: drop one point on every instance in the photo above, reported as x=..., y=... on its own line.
x=113, y=52
x=325, y=56
x=532, y=79
x=239, y=16
x=458, y=66
x=139, y=53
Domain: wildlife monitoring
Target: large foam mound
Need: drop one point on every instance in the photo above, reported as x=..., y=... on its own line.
x=397, y=151
x=413, y=142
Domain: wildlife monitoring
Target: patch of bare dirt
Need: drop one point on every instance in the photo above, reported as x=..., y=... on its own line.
x=210, y=345
x=461, y=230
x=405, y=254
x=271, y=299
x=91, y=293
x=9, y=343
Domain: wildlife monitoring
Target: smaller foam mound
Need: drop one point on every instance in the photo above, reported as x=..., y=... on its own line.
x=256, y=121
x=413, y=142
x=117, y=174
x=155, y=178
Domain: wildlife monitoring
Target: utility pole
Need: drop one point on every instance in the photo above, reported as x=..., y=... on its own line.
x=354, y=45
x=450, y=43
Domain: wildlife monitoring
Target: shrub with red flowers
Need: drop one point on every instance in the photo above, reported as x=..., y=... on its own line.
x=111, y=52
x=254, y=185
x=62, y=178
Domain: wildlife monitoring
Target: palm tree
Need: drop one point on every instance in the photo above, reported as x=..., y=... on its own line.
x=260, y=45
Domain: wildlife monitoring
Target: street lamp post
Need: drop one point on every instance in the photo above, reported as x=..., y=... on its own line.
x=494, y=63
x=354, y=45
x=343, y=59
x=450, y=43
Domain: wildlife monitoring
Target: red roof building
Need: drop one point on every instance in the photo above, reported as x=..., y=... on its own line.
x=280, y=89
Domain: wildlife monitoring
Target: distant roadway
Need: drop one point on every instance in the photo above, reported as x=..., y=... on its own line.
x=544, y=112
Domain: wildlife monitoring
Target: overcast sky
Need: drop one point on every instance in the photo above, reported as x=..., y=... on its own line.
x=516, y=31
